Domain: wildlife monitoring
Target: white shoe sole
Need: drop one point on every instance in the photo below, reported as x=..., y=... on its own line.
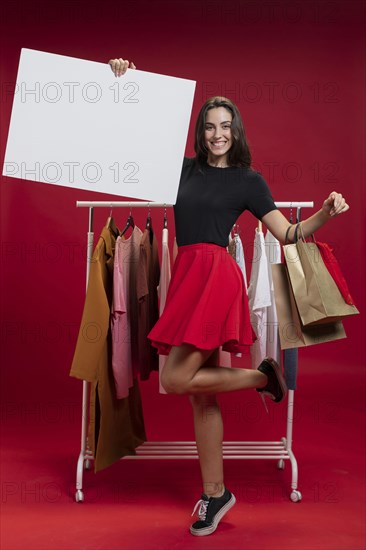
x=208, y=530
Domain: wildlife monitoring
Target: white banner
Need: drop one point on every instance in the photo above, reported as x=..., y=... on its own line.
x=73, y=123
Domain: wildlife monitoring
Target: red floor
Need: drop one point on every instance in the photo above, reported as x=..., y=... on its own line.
x=140, y=504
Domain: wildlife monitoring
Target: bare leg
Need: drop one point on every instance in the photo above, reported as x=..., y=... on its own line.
x=208, y=429
x=191, y=370
x=183, y=373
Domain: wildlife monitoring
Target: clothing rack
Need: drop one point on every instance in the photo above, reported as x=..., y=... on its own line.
x=270, y=450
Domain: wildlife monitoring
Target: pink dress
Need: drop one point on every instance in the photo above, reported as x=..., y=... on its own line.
x=124, y=279
x=163, y=291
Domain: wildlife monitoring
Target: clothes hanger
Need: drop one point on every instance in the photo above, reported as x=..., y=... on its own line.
x=111, y=224
x=130, y=223
x=109, y=219
x=148, y=220
x=298, y=214
x=149, y=226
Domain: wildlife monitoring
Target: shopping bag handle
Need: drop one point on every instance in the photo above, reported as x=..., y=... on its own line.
x=296, y=236
x=302, y=237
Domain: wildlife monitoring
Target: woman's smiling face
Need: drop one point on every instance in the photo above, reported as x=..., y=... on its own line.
x=218, y=138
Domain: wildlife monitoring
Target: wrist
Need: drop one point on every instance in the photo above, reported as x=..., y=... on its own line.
x=325, y=215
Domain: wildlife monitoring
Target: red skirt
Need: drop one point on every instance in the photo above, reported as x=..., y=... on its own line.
x=206, y=305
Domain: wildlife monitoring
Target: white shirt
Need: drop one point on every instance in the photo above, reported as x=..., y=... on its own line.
x=259, y=297
x=273, y=253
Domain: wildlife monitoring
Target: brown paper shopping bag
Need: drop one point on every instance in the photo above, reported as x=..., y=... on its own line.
x=317, y=296
x=292, y=333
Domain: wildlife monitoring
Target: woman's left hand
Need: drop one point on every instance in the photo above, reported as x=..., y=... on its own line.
x=335, y=204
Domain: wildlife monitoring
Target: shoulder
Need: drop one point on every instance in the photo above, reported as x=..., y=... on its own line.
x=189, y=167
x=255, y=178
x=253, y=175
x=188, y=162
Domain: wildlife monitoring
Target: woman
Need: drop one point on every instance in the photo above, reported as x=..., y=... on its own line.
x=206, y=305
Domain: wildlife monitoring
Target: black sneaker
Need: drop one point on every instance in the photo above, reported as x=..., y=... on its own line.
x=211, y=511
x=276, y=388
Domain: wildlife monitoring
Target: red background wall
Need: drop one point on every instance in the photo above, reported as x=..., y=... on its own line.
x=296, y=72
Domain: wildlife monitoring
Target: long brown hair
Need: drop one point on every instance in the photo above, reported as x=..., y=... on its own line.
x=239, y=153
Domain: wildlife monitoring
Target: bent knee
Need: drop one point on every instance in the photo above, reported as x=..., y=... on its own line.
x=172, y=384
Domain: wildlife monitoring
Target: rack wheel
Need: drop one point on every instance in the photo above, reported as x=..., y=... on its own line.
x=87, y=464
x=79, y=496
x=296, y=496
x=281, y=464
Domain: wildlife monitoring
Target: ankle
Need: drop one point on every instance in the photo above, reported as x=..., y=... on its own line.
x=263, y=380
x=215, y=492
x=219, y=494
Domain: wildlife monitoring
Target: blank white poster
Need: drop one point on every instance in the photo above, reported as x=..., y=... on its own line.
x=74, y=124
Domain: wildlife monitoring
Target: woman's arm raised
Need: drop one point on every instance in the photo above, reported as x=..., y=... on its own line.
x=276, y=222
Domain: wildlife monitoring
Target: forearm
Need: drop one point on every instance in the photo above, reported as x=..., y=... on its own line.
x=310, y=225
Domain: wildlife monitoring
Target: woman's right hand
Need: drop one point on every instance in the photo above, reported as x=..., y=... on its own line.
x=119, y=66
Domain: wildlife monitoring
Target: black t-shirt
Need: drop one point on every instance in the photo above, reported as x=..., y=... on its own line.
x=210, y=200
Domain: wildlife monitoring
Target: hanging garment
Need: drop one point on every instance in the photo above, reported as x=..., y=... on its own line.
x=240, y=260
x=225, y=356
x=123, y=314
x=239, y=257
x=273, y=253
x=163, y=290
x=232, y=247
x=148, y=275
x=116, y=426
x=235, y=250
x=206, y=305
x=259, y=296
x=175, y=249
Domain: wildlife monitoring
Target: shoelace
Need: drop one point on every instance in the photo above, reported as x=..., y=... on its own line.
x=202, y=512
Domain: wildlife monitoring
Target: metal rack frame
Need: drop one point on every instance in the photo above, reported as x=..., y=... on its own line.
x=270, y=450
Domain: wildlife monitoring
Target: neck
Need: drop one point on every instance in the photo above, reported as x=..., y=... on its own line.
x=218, y=163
